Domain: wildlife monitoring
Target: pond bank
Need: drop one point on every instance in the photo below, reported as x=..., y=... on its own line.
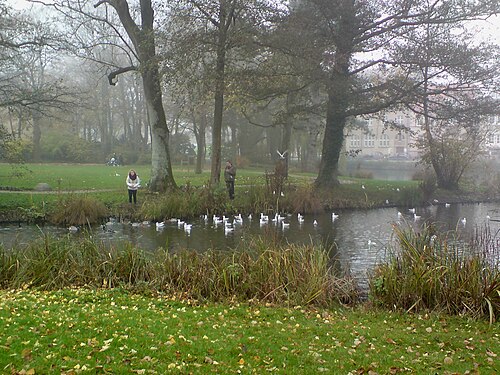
x=36, y=206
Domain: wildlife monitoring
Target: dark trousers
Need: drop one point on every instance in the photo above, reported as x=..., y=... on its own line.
x=132, y=194
x=230, y=189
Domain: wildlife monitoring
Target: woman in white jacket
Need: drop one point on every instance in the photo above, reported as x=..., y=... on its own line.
x=133, y=183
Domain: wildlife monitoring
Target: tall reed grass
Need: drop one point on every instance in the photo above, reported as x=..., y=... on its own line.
x=432, y=271
x=77, y=209
x=292, y=274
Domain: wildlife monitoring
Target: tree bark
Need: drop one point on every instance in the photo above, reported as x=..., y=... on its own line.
x=200, y=125
x=218, y=109
x=37, y=135
x=338, y=100
x=144, y=44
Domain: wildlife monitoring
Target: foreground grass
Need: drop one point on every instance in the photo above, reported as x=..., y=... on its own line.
x=112, y=331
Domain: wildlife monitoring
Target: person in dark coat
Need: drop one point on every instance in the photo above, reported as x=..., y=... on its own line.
x=229, y=176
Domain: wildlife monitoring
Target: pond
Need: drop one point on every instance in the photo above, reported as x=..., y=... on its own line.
x=358, y=238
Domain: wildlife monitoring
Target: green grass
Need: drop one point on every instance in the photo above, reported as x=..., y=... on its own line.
x=107, y=184
x=113, y=331
x=90, y=177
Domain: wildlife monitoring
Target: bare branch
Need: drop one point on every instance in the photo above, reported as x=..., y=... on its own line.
x=112, y=77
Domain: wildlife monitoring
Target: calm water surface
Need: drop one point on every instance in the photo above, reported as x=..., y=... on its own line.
x=358, y=238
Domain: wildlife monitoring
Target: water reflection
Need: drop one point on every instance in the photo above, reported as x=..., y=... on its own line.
x=358, y=238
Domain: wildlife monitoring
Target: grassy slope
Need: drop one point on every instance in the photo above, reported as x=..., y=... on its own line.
x=113, y=331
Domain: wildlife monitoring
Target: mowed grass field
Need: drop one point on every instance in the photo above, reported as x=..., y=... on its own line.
x=101, y=177
x=107, y=183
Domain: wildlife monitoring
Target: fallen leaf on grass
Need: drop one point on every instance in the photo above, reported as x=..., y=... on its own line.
x=26, y=354
x=490, y=353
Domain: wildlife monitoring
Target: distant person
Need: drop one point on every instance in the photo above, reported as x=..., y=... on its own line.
x=229, y=176
x=133, y=183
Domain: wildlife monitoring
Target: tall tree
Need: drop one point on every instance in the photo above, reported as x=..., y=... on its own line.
x=217, y=32
x=135, y=30
x=458, y=75
x=360, y=76
x=143, y=41
x=28, y=82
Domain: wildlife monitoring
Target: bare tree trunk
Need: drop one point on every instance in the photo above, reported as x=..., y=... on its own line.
x=37, y=135
x=218, y=113
x=144, y=44
x=199, y=127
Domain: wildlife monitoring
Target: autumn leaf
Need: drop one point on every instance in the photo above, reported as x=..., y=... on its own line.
x=26, y=354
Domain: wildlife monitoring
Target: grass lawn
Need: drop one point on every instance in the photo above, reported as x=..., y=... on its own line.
x=108, y=184
x=112, y=331
x=91, y=177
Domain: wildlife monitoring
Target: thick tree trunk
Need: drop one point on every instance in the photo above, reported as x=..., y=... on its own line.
x=336, y=119
x=338, y=99
x=161, y=166
x=200, y=126
x=218, y=113
x=37, y=135
x=332, y=146
x=144, y=44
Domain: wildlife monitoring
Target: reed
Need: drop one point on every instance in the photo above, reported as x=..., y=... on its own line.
x=432, y=271
x=269, y=272
x=79, y=210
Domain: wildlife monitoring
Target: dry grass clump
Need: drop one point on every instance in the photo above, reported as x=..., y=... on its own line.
x=79, y=210
x=427, y=271
x=288, y=274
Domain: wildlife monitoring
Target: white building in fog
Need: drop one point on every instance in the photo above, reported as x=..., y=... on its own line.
x=493, y=140
x=374, y=139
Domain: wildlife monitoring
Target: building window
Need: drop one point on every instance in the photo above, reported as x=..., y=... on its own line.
x=369, y=140
x=355, y=141
x=384, y=140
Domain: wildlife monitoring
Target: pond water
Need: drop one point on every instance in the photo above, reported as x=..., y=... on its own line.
x=358, y=238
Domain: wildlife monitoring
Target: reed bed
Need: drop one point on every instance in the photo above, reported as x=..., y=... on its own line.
x=281, y=274
x=427, y=270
